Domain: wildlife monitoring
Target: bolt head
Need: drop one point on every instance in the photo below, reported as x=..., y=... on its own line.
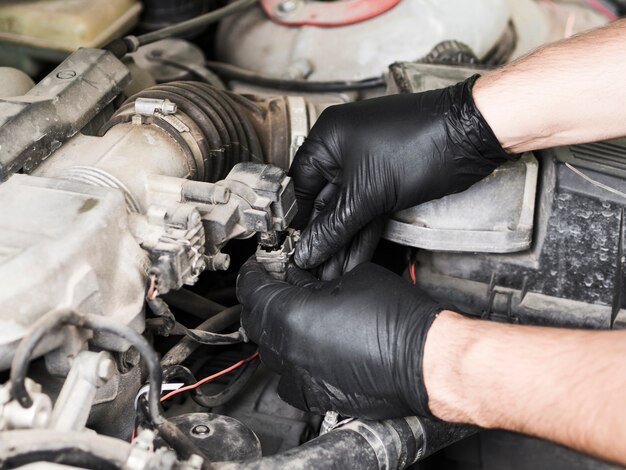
x=200, y=430
x=66, y=74
x=168, y=107
x=287, y=6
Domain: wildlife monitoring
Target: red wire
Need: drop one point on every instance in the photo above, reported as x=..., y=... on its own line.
x=602, y=9
x=209, y=378
x=412, y=272
x=203, y=381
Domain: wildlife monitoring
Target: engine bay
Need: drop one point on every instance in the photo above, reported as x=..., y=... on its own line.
x=144, y=156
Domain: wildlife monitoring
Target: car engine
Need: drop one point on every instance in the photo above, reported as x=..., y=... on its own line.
x=144, y=156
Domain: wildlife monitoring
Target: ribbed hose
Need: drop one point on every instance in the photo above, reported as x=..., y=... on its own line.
x=224, y=136
x=364, y=445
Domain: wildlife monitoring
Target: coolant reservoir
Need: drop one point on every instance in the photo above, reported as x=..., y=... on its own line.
x=406, y=32
x=280, y=40
x=65, y=25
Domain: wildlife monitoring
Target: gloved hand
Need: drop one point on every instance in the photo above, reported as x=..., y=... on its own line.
x=353, y=345
x=366, y=159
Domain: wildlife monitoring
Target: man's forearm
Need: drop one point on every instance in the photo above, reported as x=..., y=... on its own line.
x=564, y=93
x=563, y=385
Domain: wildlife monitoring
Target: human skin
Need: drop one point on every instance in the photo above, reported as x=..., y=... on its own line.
x=563, y=385
x=568, y=92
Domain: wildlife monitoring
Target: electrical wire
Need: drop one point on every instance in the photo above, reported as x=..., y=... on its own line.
x=200, y=382
x=202, y=73
x=412, y=273
x=209, y=378
x=232, y=72
x=602, y=9
x=47, y=324
x=172, y=435
x=166, y=325
x=240, y=380
x=186, y=346
x=201, y=21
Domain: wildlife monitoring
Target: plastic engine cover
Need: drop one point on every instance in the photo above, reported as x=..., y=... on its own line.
x=468, y=221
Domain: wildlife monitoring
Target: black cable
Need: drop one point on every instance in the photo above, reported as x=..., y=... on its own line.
x=192, y=303
x=171, y=373
x=184, y=27
x=167, y=325
x=204, y=74
x=185, y=347
x=147, y=352
x=19, y=368
x=241, y=379
x=232, y=72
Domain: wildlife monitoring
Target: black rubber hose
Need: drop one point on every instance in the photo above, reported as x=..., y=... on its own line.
x=249, y=137
x=165, y=324
x=214, y=137
x=214, y=115
x=189, y=302
x=238, y=382
x=241, y=379
x=183, y=28
x=439, y=434
x=337, y=450
x=360, y=447
x=177, y=371
x=186, y=346
x=227, y=135
x=232, y=72
x=223, y=114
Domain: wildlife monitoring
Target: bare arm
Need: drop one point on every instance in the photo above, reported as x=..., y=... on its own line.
x=563, y=385
x=569, y=92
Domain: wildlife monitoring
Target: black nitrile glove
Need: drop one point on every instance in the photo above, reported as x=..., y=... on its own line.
x=353, y=345
x=367, y=159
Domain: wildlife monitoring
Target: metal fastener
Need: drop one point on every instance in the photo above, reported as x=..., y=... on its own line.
x=200, y=430
x=66, y=74
x=287, y=6
x=149, y=106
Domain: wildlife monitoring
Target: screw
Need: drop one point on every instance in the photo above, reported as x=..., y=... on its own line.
x=149, y=106
x=66, y=74
x=168, y=107
x=287, y=6
x=200, y=430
